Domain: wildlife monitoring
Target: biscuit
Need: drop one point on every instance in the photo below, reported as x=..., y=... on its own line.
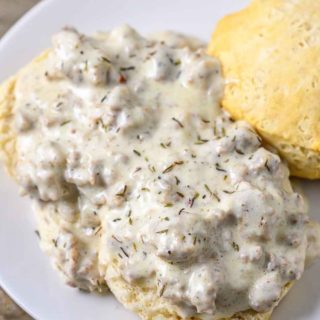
x=149, y=306
x=144, y=301
x=270, y=57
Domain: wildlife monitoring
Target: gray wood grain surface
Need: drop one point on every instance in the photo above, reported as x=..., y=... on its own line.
x=10, y=11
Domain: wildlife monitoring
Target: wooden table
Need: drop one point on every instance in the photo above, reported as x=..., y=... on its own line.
x=10, y=11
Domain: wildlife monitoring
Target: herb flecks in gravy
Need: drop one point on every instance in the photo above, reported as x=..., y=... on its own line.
x=123, y=145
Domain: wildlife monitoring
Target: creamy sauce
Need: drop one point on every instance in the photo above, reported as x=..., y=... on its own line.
x=175, y=39
x=123, y=146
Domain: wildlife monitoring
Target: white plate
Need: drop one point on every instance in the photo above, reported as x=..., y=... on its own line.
x=25, y=271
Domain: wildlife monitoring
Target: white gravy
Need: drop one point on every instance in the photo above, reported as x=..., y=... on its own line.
x=123, y=146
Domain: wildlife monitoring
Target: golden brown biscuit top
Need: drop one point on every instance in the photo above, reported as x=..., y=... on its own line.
x=270, y=55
